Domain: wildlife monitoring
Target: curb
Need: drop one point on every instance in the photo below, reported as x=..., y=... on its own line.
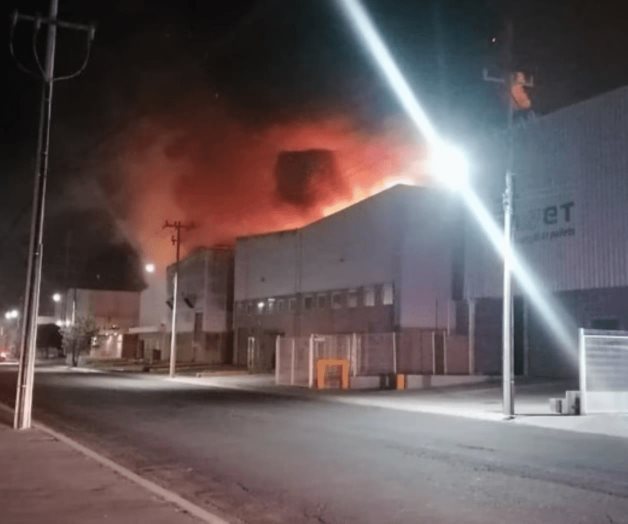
x=163, y=493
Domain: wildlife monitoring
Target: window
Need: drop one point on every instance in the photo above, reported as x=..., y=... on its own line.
x=260, y=307
x=336, y=300
x=249, y=308
x=281, y=305
x=352, y=298
x=369, y=296
x=321, y=301
x=387, y=294
x=308, y=301
x=271, y=306
x=292, y=304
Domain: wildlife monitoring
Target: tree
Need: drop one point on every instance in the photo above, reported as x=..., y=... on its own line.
x=77, y=338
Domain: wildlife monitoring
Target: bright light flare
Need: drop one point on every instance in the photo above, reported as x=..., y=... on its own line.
x=450, y=166
x=550, y=312
x=149, y=268
x=56, y=297
x=12, y=314
x=367, y=32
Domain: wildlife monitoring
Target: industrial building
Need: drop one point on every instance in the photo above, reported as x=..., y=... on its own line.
x=205, y=306
x=388, y=264
x=571, y=228
x=413, y=262
x=113, y=312
x=205, y=309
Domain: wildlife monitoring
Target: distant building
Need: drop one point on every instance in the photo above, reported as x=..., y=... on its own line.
x=114, y=313
x=152, y=330
x=205, y=306
x=389, y=264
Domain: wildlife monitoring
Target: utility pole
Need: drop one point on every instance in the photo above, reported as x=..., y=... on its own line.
x=176, y=241
x=508, y=81
x=26, y=372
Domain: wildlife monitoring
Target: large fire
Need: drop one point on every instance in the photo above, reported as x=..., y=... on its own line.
x=203, y=166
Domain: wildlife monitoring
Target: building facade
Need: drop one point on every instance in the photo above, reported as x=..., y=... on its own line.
x=414, y=262
x=205, y=307
x=388, y=264
x=114, y=313
x=571, y=230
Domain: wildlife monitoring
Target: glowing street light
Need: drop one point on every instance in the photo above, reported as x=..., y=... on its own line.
x=12, y=314
x=449, y=166
x=56, y=297
x=149, y=268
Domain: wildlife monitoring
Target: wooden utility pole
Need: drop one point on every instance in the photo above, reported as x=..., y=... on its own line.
x=177, y=226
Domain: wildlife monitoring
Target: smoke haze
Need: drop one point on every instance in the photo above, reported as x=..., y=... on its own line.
x=196, y=163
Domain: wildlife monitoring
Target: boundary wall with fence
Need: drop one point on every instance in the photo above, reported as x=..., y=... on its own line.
x=412, y=352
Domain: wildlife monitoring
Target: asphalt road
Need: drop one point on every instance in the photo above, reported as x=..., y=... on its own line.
x=264, y=458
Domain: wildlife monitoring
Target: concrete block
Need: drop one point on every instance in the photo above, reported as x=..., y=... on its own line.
x=556, y=405
x=571, y=406
x=370, y=382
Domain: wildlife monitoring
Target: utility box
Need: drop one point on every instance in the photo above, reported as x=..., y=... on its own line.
x=556, y=405
x=571, y=404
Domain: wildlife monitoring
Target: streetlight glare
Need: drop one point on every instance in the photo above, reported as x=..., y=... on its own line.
x=56, y=297
x=150, y=267
x=449, y=166
x=13, y=313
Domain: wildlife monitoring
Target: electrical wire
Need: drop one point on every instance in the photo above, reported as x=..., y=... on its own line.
x=35, y=52
x=83, y=65
x=19, y=64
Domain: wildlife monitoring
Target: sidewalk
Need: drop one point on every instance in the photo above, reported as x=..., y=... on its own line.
x=44, y=480
x=478, y=401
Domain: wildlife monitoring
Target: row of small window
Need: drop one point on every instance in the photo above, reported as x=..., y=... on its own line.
x=367, y=296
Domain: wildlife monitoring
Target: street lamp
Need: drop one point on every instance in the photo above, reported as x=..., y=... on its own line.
x=56, y=297
x=12, y=314
x=149, y=267
x=449, y=165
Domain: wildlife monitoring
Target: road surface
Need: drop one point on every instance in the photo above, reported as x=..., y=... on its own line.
x=264, y=458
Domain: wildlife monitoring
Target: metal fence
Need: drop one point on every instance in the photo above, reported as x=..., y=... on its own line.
x=367, y=353
x=603, y=371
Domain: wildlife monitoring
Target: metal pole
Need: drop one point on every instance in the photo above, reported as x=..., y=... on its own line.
x=175, y=292
x=26, y=372
x=277, y=358
x=508, y=380
x=507, y=314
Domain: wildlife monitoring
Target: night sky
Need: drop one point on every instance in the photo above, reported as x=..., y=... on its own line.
x=255, y=65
